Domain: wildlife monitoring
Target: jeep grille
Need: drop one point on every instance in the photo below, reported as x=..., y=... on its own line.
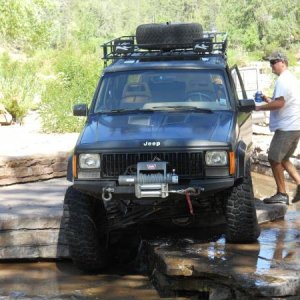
x=186, y=164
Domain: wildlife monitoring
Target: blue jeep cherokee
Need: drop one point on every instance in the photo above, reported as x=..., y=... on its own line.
x=167, y=140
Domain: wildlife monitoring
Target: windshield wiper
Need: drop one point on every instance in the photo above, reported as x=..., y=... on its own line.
x=126, y=110
x=183, y=108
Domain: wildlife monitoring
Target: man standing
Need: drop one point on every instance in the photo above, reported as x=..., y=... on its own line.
x=284, y=107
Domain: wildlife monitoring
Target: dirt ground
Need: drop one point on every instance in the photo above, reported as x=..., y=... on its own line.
x=27, y=139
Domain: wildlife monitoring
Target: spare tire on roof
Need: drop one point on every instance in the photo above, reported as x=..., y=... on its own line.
x=168, y=36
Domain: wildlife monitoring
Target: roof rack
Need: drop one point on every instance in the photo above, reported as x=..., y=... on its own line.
x=125, y=47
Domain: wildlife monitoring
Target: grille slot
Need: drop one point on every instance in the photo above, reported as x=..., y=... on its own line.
x=186, y=164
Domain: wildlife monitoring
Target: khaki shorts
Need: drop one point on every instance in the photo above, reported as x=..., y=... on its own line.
x=283, y=145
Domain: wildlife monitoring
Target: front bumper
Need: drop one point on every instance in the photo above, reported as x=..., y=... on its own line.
x=207, y=186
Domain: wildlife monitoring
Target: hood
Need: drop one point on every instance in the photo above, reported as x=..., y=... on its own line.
x=156, y=129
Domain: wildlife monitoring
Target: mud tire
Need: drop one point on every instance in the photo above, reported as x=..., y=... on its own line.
x=242, y=225
x=84, y=231
x=167, y=36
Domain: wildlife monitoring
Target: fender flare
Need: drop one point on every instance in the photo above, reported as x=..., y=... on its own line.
x=242, y=156
x=69, y=168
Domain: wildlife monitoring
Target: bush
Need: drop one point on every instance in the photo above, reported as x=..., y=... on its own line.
x=76, y=74
x=18, y=85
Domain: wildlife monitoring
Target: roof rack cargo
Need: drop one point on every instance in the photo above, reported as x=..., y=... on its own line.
x=126, y=47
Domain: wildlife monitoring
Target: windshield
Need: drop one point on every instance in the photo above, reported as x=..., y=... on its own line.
x=162, y=89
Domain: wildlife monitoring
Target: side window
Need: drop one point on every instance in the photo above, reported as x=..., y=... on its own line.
x=239, y=85
x=110, y=93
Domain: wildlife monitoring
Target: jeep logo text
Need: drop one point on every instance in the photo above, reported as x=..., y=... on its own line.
x=151, y=144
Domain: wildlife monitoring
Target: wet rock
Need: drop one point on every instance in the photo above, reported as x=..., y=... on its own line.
x=267, y=269
x=37, y=243
x=201, y=287
x=269, y=212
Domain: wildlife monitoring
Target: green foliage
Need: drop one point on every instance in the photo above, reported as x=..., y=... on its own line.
x=76, y=75
x=61, y=40
x=28, y=24
x=255, y=24
x=18, y=86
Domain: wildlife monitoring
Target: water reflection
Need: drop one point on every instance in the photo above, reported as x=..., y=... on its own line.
x=63, y=280
x=272, y=261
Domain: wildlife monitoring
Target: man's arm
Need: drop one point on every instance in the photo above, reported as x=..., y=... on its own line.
x=271, y=105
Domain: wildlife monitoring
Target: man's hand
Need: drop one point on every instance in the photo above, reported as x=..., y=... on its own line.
x=266, y=99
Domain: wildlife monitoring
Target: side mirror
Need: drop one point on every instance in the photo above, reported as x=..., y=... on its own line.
x=246, y=105
x=80, y=110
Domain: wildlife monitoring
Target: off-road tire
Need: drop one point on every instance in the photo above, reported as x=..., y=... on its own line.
x=167, y=36
x=242, y=225
x=84, y=231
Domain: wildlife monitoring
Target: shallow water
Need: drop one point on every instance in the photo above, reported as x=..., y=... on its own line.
x=278, y=250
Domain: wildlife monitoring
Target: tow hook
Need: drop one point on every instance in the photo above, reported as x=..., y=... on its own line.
x=107, y=193
x=190, y=191
x=187, y=193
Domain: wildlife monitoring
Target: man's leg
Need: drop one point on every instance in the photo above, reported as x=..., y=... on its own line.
x=290, y=168
x=292, y=171
x=281, y=196
x=277, y=169
x=277, y=151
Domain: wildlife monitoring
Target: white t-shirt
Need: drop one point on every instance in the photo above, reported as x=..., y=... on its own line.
x=286, y=118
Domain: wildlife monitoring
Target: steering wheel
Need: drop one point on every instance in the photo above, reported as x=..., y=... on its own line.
x=198, y=96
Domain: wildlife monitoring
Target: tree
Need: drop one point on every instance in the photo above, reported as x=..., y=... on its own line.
x=28, y=23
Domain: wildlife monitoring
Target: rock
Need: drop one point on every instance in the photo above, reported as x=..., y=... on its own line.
x=227, y=271
x=269, y=212
x=32, y=221
x=33, y=168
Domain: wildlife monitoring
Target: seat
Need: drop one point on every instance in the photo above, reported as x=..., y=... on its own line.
x=135, y=93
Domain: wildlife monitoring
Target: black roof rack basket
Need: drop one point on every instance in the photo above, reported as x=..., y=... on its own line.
x=125, y=47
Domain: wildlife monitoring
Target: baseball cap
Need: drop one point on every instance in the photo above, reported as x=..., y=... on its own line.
x=277, y=55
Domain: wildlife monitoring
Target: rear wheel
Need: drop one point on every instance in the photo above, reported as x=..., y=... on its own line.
x=85, y=231
x=242, y=225
x=168, y=36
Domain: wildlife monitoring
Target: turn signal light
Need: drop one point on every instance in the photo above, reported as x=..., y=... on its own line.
x=231, y=163
x=74, y=166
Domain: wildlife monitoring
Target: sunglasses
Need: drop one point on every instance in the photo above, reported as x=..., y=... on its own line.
x=275, y=61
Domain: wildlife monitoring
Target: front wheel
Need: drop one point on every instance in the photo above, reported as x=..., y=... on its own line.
x=242, y=225
x=85, y=231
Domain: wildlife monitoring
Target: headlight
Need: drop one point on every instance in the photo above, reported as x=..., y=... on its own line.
x=89, y=161
x=216, y=158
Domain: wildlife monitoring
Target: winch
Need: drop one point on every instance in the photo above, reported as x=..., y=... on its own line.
x=151, y=179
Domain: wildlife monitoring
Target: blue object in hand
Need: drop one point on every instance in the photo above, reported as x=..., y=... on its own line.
x=258, y=96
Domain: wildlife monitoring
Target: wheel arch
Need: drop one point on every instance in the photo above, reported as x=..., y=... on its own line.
x=70, y=168
x=242, y=156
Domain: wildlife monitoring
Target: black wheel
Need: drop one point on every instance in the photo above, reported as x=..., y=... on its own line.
x=85, y=231
x=168, y=36
x=242, y=225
